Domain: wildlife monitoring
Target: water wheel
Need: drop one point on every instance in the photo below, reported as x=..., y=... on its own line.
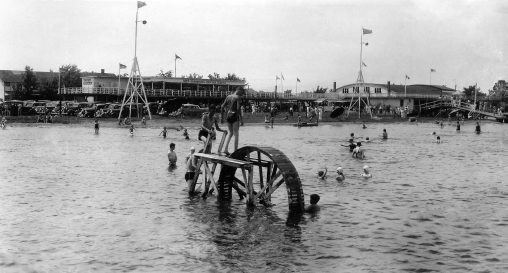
x=272, y=169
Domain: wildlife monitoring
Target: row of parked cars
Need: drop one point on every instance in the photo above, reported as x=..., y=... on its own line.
x=93, y=109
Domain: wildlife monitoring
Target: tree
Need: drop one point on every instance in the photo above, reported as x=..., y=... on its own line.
x=215, y=76
x=168, y=74
x=48, y=88
x=499, y=89
x=320, y=89
x=469, y=91
x=70, y=76
x=194, y=76
x=28, y=84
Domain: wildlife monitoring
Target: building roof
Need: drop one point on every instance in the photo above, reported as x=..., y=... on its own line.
x=424, y=89
x=15, y=75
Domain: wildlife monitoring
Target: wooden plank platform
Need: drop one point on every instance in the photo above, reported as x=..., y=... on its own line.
x=214, y=158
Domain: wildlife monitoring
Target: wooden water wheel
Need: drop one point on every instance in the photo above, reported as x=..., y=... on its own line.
x=272, y=169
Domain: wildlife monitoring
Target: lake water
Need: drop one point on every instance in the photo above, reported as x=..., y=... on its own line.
x=72, y=201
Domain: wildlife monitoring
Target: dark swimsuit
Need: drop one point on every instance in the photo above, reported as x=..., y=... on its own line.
x=202, y=132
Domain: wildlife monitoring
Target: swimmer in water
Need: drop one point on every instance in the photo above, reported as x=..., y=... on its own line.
x=172, y=155
x=340, y=175
x=364, y=127
x=438, y=139
x=385, y=134
x=322, y=175
x=478, y=129
x=131, y=129
x=143, y=120
x=96, y=126
x=299, y=120
x=185, y=134
x=441, y=123
x=367, y=140
x=313, y=207
x=458, y=126
x=351, y=145
x=358, y=152
x=433, y=133
x=366, y=173
x=164, y=132
x=266, y=119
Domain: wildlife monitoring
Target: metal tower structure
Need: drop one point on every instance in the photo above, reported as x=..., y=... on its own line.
x=360, y=83
x=135, y=84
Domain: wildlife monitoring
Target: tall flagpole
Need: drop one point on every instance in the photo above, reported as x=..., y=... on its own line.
x=175, y=65
x=405, y=93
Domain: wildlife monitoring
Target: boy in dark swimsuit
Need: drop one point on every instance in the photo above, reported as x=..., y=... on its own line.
x=96, y=126
x=207, y=122
x=234, y=116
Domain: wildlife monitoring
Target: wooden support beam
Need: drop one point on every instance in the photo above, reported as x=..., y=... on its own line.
x=261, y=193
x=248, y=188
x=274, y=188
x=261, y=184
x=207, y=170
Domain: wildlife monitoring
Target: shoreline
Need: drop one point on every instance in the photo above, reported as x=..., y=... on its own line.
x=249, y=119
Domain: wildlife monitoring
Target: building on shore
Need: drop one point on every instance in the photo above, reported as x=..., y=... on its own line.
x=383, y=95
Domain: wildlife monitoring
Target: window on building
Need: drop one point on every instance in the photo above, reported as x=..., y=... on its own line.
x=7, y=84
x=366, y=90
x=345, y=90
x=377, y=90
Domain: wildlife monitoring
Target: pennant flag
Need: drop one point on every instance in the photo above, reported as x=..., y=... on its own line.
x=277, y=78
x=432, y=70
x=366, y=31
x=61, y=70
x=298, y=80
x=407, y=77
x=282, y=76
x=141, y=4
x=177, y=57
x=364, y=64
x=122, y=66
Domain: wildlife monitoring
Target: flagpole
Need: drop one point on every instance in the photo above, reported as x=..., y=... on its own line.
x=136, y=35
x=118, y=78
x=405, y=93
x=175, y=65
x=296, y=87
x=359, y=96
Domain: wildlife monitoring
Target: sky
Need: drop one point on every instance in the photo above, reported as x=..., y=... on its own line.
x=316, y=41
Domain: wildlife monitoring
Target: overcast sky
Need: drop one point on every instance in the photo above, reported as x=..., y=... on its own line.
x=315, y=41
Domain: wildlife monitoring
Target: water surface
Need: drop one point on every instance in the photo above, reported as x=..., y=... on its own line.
x=72, y=201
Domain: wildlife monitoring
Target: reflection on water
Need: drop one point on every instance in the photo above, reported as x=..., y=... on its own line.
x=72, y=201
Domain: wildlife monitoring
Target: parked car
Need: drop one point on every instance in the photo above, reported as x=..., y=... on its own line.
x=192, y=110
x=72, y=108
x=31, y=107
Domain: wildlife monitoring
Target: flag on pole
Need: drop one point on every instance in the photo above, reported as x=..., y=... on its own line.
x=122, y=66
x=177, y=57
x=277, y=78
x=60, y=70
x=141, y=4
x=298, y=80
x=432, y=70
x=282, y=76
x=407, y=77
x=366, y=31
x=364, y=64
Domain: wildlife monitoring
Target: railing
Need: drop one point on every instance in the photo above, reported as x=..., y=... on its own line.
x=251, y=95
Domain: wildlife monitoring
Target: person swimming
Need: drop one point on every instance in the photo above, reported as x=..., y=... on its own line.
x=366, y=173
x=185, y=134
x=358, y=152
x=313, y=207
x=438, y=139
x=351, y=145
x=385, y=134
x=340, y=175
x=364, y=127
x=458, y=126
x=322, y=175
x=478, y=129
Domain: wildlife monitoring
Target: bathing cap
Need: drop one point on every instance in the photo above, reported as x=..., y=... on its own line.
x=192, y=148
x=365, y=167
x=339, y=169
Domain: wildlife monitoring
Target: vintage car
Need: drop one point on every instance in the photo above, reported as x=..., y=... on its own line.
x=192, y=110
x=32, y=108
